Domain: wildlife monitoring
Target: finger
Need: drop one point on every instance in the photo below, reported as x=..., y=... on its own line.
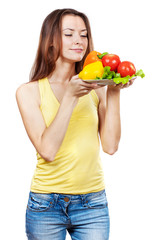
x=120, y=85
x=75, y=77
x=131, y=82
x=99, y=86
x=88, y=85
x=81, y=94
x=126, y=85
x=85, y=91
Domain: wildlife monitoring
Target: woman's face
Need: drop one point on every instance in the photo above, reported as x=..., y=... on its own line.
x=74, y=38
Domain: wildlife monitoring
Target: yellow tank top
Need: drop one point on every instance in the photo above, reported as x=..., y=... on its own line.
x=77, y=167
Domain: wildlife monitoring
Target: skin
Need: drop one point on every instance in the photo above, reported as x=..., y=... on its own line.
x=67, y=88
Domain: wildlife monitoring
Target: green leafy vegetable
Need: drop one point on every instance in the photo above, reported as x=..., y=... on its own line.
x=123, y=80
x=140, y=73
x=116, y=77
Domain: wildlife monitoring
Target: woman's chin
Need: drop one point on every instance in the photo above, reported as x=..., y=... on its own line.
x=78, y=58
x=74, y=59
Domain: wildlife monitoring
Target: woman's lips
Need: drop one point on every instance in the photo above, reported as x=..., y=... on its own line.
x=79, y=50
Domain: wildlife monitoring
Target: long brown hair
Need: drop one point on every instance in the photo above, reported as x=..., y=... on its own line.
x=50, y=43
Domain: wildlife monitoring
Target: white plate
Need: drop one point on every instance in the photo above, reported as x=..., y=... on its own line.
x=103, y=81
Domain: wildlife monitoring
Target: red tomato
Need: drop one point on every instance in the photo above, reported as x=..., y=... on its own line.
x=111, y=60
x=126, y=68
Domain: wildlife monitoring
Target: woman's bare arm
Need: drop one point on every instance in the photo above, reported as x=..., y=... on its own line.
x=109, y=117
x=109, y=120
x=47, y=141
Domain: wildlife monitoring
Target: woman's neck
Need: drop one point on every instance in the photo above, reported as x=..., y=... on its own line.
x=63, y=72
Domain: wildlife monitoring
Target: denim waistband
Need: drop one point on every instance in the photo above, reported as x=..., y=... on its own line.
x=72, y=197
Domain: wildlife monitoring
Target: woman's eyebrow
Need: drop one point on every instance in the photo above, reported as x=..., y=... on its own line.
x=68, y=29
x=71, y=29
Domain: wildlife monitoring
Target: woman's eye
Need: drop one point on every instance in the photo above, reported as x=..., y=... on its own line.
x=70, y=35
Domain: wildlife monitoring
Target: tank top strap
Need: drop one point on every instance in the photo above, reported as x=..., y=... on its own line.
x=46, y=93
x=42, y=88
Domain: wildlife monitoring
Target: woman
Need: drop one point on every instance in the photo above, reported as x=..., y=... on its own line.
x=63, y=116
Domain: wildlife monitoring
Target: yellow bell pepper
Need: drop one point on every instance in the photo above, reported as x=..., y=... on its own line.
x=91, y=71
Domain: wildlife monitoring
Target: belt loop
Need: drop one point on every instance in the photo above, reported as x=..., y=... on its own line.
x=83, y=198
x=55, y=196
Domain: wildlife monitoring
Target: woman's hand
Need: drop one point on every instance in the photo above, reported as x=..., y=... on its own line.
x=78, y=88
x=121, y=85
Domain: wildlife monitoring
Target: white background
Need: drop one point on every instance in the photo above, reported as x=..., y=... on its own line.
x=129, y=29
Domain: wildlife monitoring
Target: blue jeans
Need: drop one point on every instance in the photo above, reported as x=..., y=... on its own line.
x=84, y=216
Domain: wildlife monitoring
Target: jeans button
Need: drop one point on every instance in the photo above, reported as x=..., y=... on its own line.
x=66, y=199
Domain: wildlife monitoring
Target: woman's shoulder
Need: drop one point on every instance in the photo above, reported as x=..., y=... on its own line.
x=28, y=91
x=29, y=86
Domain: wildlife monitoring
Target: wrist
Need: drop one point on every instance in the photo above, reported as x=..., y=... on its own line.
x=113, y=90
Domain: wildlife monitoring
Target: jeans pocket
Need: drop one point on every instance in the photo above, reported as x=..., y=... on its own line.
x=97, y=202
x=39, y=202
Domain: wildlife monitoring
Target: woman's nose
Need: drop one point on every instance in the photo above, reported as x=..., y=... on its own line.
x=77, y=39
